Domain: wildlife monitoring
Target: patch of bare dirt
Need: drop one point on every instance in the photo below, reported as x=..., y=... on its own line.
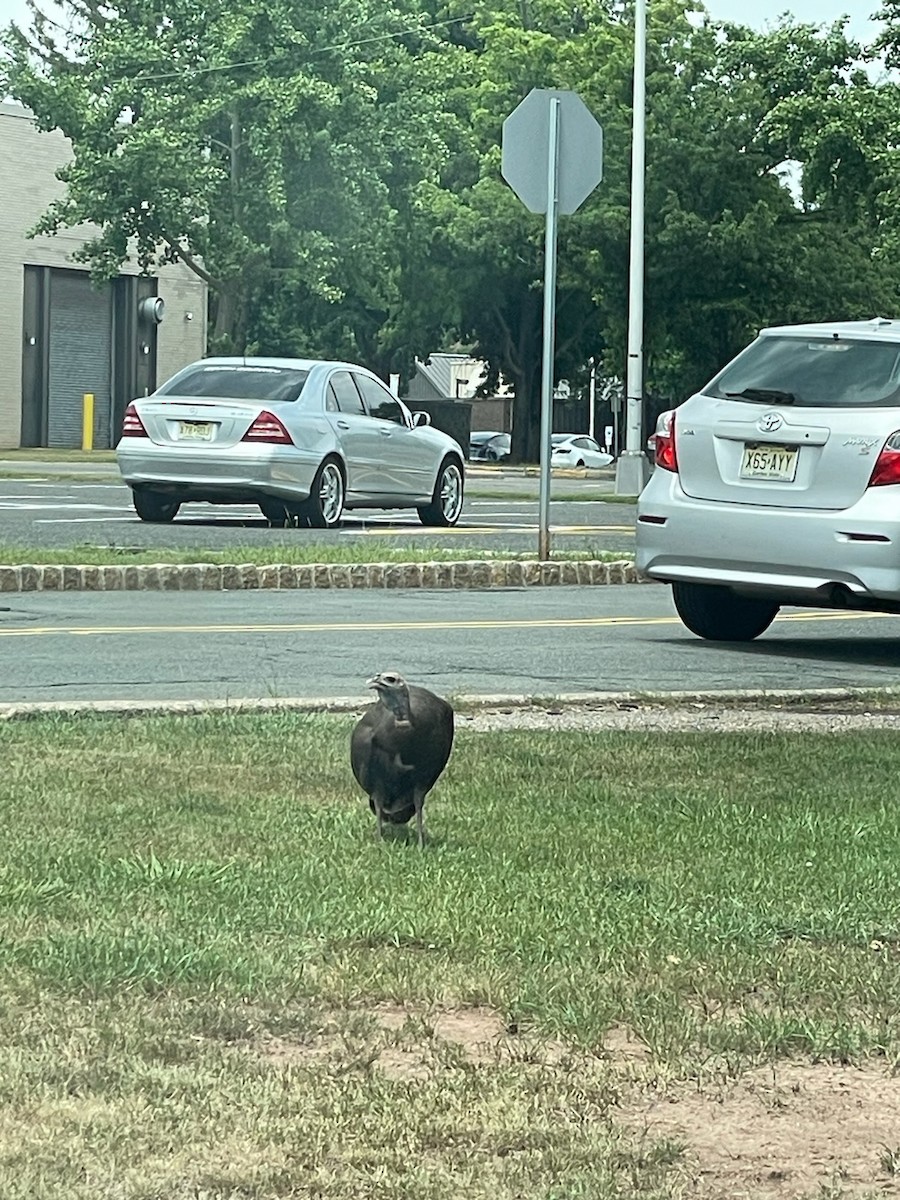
x=477, y=1032
x=789, y=1131
x=621, y=1045
x=404, y=1042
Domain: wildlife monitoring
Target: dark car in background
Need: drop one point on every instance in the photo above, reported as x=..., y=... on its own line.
x=488, y=445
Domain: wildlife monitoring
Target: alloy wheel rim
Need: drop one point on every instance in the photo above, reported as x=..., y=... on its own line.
x=331, y=493
x=451, y=493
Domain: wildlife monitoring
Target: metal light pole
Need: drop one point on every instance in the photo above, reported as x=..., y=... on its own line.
x=592, y=397
x=632, y=468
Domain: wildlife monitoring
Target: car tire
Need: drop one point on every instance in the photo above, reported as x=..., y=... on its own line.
x=580, y=463
x=277, y=513
x=155, y=507
x=325, y=505
x=719, y=614
x=447, y=498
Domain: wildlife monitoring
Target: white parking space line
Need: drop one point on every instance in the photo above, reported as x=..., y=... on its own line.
x=41, y=506
x=79, y=520
x=502, y=516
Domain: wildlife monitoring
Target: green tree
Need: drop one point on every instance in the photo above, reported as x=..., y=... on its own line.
x=268, y=147
x=727, y=248
x=332, y=171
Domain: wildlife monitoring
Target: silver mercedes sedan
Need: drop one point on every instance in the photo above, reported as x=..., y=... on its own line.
x=779, y=482
x=304, y=439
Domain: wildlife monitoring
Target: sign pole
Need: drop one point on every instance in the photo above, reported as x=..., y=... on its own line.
x=552, y=158
x=550, y=236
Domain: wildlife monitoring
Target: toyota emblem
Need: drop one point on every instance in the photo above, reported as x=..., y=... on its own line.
x=769, y=422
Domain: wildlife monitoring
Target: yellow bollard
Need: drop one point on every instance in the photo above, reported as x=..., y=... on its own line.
x=87, y=421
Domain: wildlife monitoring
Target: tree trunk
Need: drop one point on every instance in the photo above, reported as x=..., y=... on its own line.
x=228, y=334
x=526, y=378
x=526, y=430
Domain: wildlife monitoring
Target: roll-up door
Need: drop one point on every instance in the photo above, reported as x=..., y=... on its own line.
x=80, y=358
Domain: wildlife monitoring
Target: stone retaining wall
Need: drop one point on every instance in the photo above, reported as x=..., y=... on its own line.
x=190, y=577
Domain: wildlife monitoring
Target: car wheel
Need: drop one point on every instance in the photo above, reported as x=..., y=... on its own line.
x=580, y=463
x=277, y=513
x=155, y=506
x=447, y=499
x=326, y=497
x=719, y=614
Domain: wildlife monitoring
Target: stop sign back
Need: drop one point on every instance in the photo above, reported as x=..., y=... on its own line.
x=526, y=146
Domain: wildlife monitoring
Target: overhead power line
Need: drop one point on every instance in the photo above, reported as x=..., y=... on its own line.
x=264, y=62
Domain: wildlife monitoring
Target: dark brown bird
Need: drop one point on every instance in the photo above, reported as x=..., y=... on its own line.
x=399, y=748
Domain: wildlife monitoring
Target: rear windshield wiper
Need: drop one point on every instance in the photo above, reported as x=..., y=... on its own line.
x=767, y=395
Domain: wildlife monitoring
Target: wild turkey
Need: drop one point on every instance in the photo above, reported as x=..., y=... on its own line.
x=399, y=748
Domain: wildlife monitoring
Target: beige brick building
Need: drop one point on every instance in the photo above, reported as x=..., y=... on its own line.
x=60, y=336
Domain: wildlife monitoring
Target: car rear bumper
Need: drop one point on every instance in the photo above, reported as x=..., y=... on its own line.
x=808, y=555
x=245, y=471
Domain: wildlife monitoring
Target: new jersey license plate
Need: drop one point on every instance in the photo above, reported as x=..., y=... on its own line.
x=197, y=431
x=769, y=462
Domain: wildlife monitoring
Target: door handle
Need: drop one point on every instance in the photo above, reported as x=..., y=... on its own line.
x=342, y=424
x=385, y=432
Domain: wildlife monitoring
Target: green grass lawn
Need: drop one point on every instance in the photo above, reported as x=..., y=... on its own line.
x=297, y=552
x=46, y=454
x=215, y=984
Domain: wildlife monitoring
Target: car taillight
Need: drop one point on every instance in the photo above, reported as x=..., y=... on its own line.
x=132, y=425
x=267, y=428
x=666, y=456
x=887, y=465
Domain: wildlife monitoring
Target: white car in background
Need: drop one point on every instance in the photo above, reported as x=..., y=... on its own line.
x=304, y=439
x=577, y=450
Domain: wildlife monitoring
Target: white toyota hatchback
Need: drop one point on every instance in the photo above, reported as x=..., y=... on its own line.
x=779, y=482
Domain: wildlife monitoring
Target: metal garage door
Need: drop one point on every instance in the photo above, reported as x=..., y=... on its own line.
x=80, y=357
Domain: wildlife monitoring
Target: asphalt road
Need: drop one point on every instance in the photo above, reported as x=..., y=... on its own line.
x=42, y=511
x=540, y=641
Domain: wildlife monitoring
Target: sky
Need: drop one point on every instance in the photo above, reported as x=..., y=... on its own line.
x=756, y=13
x=818, y=12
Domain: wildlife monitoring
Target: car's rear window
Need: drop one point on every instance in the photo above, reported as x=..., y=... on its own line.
x=813, y=372
x=238, y=383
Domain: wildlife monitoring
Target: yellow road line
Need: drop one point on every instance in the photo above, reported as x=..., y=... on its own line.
x=380, y=626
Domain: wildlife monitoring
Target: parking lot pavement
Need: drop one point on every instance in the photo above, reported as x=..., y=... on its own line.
x=64, y=512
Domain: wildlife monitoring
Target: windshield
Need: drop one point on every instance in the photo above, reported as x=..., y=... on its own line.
x=813, y=372
x=237, y=382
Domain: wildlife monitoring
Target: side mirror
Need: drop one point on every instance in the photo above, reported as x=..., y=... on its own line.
x=421, y=418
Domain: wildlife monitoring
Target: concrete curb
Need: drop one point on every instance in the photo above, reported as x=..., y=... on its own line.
x=785, y=698
x=209, y=577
